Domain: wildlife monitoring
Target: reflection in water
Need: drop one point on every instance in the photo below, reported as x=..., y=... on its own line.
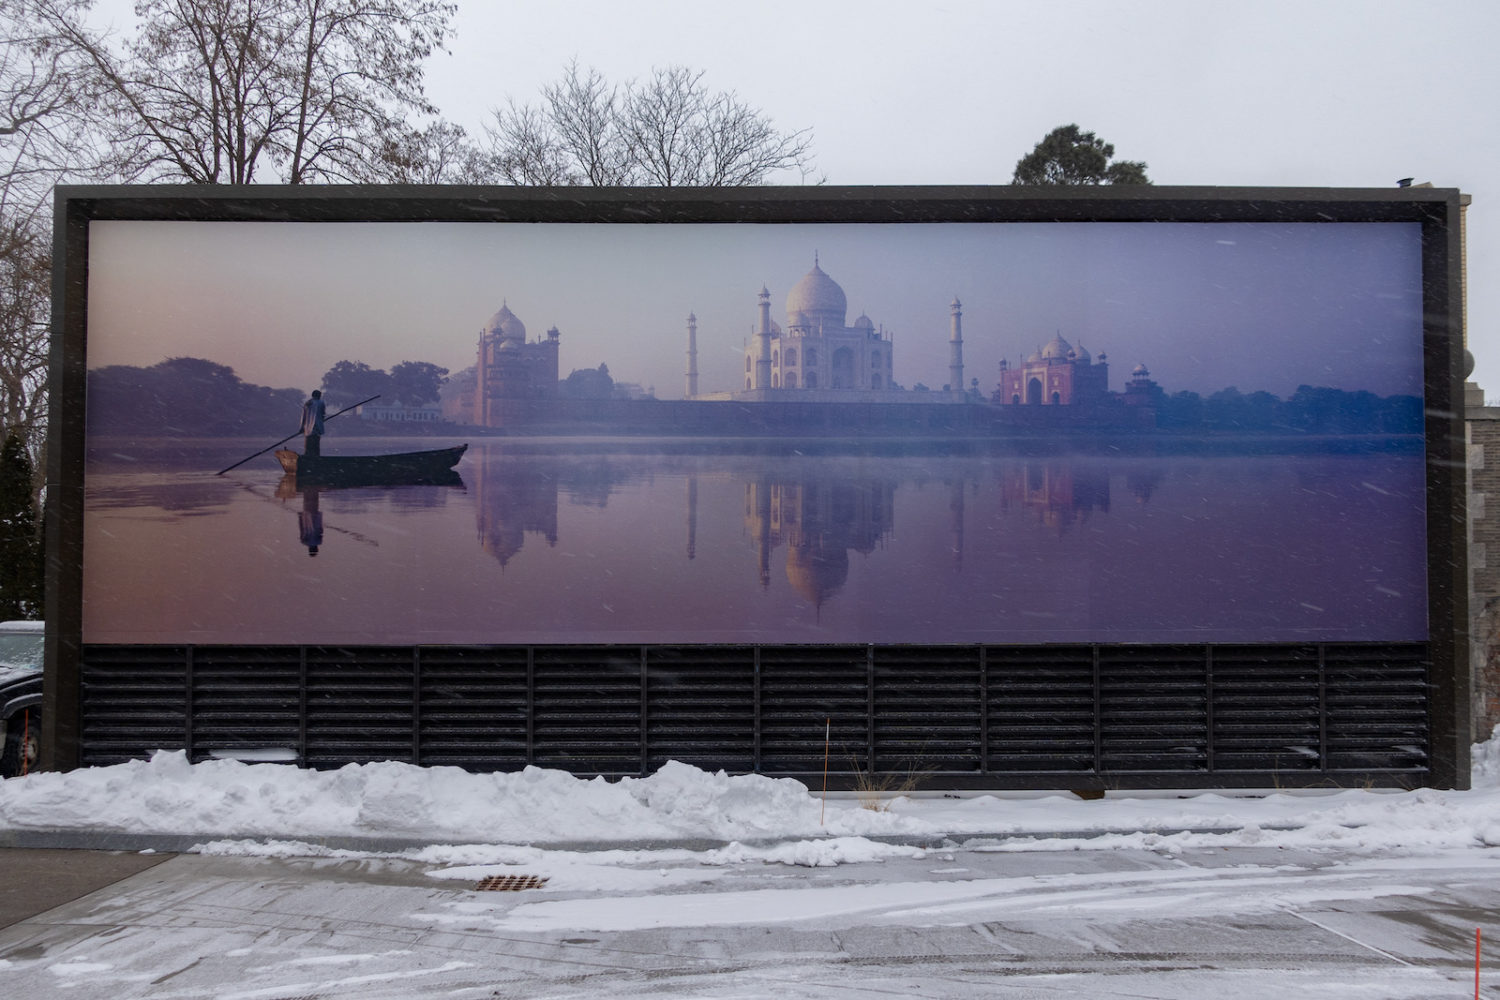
x=1060, y=492
x=1142, y=481
x=513, y=498
x=705, y=547
x=310, y=521
x=310, y=517
x=310, y=514
x=820, y=519
x=956, y=520
x=692, y=516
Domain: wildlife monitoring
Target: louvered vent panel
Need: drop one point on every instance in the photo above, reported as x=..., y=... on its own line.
x=1265, y=709
x=1377, y=707
x=701, y=707
x=801, y=688
x=474, y=707
x=1041, y=708
x=134, y=701
x=588, y=709
x=360, y=705
x=926, y=709
x=245, y=698
x=1166, y=714
x=1153, y=708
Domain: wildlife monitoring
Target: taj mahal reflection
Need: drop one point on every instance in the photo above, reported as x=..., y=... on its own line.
x=820, y=520
x=512, y=500
x=819, y=516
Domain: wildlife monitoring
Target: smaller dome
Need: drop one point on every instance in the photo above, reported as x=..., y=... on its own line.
x=1079, y=353
x=1140, y=371
x=1035, y=357
x=864, y=323
x=509, y=345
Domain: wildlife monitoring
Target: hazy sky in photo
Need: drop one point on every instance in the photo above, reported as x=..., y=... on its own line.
x=1341, y=93
x=1204, y=306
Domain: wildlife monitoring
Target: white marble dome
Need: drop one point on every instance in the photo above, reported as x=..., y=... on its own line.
x=817, y=302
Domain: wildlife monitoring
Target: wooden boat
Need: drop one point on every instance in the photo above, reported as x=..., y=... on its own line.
x=414, y=467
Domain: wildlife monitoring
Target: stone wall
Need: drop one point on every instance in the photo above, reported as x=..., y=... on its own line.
x=1483, y=437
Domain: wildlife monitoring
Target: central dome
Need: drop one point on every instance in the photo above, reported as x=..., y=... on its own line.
x=1057, y=348
x=816, y=302
x=506, y=324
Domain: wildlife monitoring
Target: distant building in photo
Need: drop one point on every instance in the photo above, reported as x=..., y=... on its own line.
x=511, y=372
x=401, y=413
x=1056, y=375
x=819, y=357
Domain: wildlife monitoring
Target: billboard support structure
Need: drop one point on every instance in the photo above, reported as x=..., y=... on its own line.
x=95, y=642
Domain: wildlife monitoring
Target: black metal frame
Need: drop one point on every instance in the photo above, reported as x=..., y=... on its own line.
x=84, y=686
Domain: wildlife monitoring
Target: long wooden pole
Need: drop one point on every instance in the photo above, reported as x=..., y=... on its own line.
x=827, y=734
x=294, y=433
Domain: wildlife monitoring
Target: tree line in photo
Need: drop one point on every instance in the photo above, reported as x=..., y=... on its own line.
x=193, y=397
x=1309, y=410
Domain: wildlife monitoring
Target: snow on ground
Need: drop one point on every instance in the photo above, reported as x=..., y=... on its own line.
x=231, y=799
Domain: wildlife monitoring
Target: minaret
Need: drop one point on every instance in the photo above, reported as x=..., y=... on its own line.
x=692, y=358
x=763, y=342
x=956, y=350
x=480, y=416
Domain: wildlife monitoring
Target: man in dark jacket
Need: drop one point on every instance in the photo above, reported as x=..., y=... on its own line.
x=312, y=424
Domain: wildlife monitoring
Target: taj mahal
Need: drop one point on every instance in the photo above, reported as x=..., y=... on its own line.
x=818, y=357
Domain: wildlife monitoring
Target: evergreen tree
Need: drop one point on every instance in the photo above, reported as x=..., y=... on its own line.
x=1068, y=155
x=21, y=567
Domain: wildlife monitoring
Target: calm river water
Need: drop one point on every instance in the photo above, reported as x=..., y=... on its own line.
x=577, y=541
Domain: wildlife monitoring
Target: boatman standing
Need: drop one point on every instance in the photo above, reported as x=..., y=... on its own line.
x=312, y=424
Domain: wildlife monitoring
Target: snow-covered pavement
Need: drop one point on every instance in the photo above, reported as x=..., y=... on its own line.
x=953, y=923
x=364, y=882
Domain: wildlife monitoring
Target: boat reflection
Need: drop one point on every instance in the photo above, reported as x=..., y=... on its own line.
x=310, y=514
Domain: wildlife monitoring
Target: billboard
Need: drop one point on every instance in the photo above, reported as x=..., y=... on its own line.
x=902, y=418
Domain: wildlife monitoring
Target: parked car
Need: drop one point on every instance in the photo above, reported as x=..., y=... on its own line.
x=20, y=696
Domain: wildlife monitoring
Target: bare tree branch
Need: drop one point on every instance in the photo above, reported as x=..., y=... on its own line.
x=668, y=131
x=236, y=91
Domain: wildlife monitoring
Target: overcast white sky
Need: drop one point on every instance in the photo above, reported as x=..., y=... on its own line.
x=1345, y=94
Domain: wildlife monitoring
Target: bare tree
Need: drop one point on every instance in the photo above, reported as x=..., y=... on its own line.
x=25, y=303
x=42, y=136
x=669, y=131
x=441, y=153
x=527, y=150
x=236, y=91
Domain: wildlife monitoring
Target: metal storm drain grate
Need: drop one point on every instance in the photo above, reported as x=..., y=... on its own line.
x=511, y=883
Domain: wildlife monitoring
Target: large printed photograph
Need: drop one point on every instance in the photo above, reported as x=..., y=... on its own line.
x=432, y=433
